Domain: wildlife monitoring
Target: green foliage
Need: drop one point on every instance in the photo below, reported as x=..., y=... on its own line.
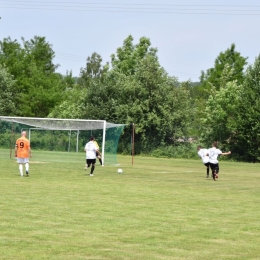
x=129, y=55
x=50, y=140
x=229, y=67
x=37, y=87
x=184, y=150
x=236, y=64
x=249, y=120
x=94, y=71
x=223, y=107
x=138, y=90
x=7, y=102
x=220, y=118
x=72, y=105
x=231, y=116
x=73, y=99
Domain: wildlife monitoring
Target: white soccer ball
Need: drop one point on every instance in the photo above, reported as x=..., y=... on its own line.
x=119, y=170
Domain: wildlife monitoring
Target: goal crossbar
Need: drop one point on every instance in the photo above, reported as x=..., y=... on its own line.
x=61, y=123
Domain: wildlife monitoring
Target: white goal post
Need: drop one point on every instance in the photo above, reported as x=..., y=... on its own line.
x=65, y=124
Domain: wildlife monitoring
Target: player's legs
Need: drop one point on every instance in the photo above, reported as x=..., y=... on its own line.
x=21, y=169
x=91, y=162
x=22, y=161
x=207, y=165
x=213, y=169
x=216, y=170
x=27, y=168
x=88, y=163
x=99, y=158
x=92, y=167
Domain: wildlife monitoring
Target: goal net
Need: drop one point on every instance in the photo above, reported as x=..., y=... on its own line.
x=68, y=135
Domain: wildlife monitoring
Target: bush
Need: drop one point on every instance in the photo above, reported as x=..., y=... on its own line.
x=185, y=150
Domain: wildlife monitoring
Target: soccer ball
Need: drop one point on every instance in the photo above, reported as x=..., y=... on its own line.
x=119, y=170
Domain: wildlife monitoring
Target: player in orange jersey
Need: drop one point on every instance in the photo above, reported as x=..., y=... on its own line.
x=23, y=152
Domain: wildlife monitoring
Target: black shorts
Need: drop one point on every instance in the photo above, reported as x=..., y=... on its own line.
x=214, y=167
x=90, y=161
x=206, y=164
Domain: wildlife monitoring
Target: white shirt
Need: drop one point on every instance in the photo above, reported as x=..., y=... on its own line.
x=213, y=155
x=202, y=154
x=90, y=149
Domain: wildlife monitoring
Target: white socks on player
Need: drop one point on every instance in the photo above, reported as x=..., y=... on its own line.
x=27, y=167
x=21, y=169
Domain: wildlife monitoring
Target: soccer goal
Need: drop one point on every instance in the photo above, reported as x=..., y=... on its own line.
x=56, y=134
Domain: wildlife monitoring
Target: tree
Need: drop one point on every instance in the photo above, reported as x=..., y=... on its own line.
x=227, y=75
x=93, y=70
x=7, y=103
x=129, y=55
x=249, y=121
x=40, y=52
x=138, y=90
x=232, y=116
x=37, y=87
x=72, y=103
x=221, y=114
x=230, y=57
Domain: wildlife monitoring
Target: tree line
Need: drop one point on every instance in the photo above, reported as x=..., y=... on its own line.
x=134, y=88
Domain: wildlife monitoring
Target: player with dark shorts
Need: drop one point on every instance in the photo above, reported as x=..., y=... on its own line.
x=91, y=150
x=213, y=159
x=90, y=161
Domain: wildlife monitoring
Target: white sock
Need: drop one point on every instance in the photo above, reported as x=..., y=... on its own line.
x=27, y=167
x=21, y=169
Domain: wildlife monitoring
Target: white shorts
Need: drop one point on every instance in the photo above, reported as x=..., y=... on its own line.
x=22, y=160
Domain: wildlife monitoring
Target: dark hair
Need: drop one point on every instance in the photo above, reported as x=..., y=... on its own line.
x=199, y=147
x=92, y=138
x=214, y=144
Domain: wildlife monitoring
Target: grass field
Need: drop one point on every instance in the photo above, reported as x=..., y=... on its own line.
x=156, y=209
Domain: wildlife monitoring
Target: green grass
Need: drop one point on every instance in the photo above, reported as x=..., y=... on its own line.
x=156, y=209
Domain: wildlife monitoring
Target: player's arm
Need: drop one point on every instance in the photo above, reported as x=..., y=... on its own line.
x=98, y=152
x=227, y=153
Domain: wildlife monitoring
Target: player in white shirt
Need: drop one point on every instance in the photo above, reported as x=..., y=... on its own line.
x=213, y=159
x=91, y=150
x=204, y=155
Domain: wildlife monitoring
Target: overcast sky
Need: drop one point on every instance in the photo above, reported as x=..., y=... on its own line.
x=189, y=35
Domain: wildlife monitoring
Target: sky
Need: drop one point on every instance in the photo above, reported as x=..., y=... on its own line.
x=188, y=34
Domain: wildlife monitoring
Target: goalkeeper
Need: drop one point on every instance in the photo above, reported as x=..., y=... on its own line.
x=98, y=154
